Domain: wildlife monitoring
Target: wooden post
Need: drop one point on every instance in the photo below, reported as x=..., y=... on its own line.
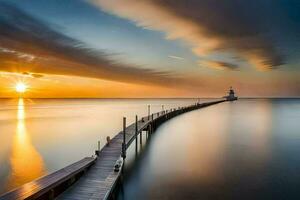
x=124, y=139
x=97, y=152
x=51, y=194
x=148, y=112
x=136, y=133
x=147, y=133
x=152, y=122
x=141, y=135
x=107, y=140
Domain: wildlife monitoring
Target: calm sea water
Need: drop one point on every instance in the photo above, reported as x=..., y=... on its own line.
x=39, y=136
x=248, y=149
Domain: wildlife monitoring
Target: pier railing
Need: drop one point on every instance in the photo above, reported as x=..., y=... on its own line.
x=96, y=177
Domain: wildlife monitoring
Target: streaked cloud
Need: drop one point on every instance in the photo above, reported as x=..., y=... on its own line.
x=139, y=62
x=33, y=75
x=175, y=57
x=244, y=28
x=219, y=65
x=32, y=47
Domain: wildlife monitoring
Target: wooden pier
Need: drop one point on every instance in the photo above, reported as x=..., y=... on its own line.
x=96, y=177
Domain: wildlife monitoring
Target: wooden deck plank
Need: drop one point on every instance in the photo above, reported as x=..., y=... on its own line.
x=36, y=187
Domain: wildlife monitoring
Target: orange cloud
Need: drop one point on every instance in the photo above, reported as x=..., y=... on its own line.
x=22, y=50
x=207, y=26
x=219, y=65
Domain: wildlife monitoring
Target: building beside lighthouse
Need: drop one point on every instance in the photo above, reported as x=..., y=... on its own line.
x=231, y=95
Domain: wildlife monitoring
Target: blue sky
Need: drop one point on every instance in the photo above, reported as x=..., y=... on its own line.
x=117, y=36
x=189, y=45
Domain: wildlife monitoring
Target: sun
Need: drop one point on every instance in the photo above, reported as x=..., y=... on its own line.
x=21, y=87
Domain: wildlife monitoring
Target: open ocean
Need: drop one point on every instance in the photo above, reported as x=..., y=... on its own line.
x=248, y=149
x=40, y=136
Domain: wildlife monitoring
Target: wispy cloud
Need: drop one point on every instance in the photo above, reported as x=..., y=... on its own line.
x=175, y=57
x=219, y=65
x=209, y=25
x=32, y=47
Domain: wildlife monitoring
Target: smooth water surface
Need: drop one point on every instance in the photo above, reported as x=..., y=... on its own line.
x=248, y=149
x=39, y=136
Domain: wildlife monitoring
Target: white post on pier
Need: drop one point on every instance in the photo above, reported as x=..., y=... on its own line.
x=97, y=152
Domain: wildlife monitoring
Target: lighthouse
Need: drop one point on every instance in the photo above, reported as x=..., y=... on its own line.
x=231, y=95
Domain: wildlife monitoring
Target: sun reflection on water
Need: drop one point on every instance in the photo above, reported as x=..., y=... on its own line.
x=26, y=163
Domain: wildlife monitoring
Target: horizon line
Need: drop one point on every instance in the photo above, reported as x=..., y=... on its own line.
x=246, y=97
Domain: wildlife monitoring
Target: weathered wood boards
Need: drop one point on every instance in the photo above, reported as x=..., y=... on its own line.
x=45, y=187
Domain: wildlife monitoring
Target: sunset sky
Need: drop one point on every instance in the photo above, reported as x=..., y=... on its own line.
x=150, y=48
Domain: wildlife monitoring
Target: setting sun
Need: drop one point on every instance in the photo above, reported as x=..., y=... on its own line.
x=21, y=87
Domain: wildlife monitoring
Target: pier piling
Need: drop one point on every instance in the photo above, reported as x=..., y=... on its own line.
x=136, y=133
x=148, y=112
x=124, y=139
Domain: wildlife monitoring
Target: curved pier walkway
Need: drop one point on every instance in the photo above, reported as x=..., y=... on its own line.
x=96, y=177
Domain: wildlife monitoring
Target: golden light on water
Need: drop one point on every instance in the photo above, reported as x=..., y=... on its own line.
x=21, y=87
x=26, y=162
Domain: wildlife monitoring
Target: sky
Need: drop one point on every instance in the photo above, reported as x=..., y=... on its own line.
x=150, y=48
